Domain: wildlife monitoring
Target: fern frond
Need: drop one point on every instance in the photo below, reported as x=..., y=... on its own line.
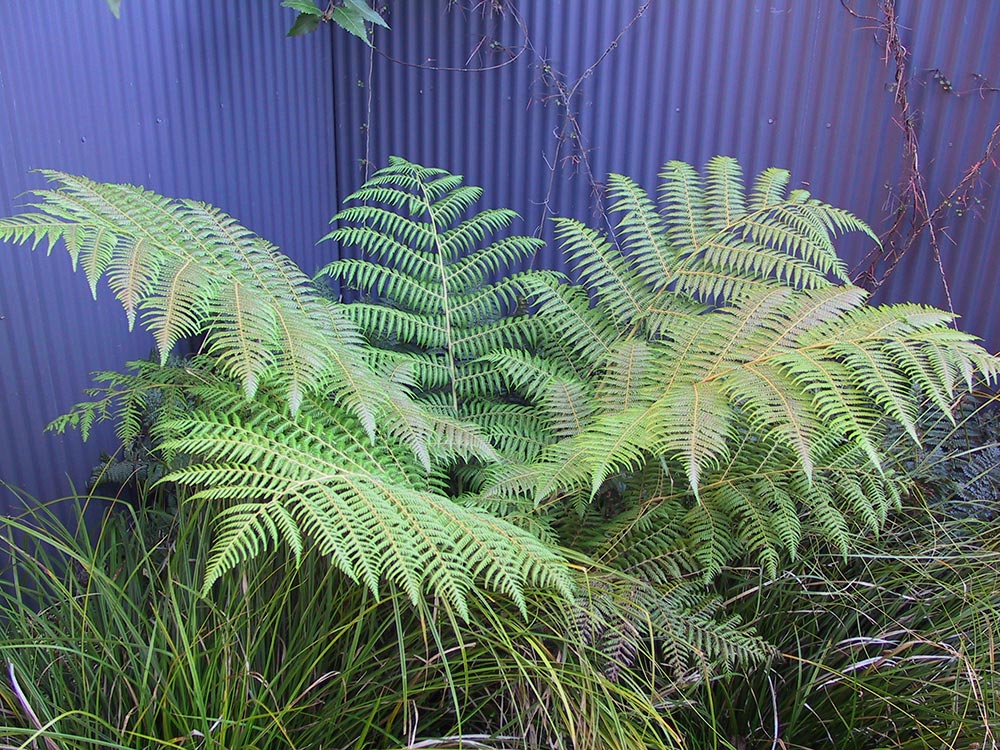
x=359, y=502
x=754, y=387
x=601, y=268
x=725, y=202
x=426, y=276
x=183, y=267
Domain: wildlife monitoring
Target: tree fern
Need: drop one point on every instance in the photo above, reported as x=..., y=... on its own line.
x=722, y=350
x=321, y=443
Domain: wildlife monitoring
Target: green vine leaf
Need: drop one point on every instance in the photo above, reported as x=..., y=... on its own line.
x=304, y=24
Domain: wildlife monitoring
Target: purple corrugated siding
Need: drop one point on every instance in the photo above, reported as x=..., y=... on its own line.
x=800, y=84
x=192, y=99
x=209, y=100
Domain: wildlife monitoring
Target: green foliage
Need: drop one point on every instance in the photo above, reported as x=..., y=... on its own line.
x=182, y=268
x=353, y=474
x=708, y=362
x=428, y=299
x=894, y=647
x=350, y=15
x=107, y=642
x=710, y=388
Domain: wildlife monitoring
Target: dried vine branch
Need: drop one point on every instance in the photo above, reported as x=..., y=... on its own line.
x=564, y=93
x=913, y=214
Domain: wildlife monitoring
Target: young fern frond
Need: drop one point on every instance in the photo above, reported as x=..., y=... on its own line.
x=426, y=284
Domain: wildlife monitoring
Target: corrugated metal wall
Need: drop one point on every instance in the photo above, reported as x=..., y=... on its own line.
x=196, y=99
x=209, y=100
x=801, y=84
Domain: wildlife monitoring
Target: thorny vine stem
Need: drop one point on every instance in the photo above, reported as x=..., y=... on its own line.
x=913, y=214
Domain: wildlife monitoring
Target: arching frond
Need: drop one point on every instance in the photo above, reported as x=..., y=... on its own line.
x=315, y=477
x=183, y=267
x=717, y=351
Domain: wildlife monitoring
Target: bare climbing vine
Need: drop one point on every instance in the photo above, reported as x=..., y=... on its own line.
x=570, y=146
x=569, y=150
x=911, y=211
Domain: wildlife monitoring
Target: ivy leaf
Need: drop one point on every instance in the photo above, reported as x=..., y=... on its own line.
x=366, y=12
x=307, y=7
x=115, y=6
x=304, y=24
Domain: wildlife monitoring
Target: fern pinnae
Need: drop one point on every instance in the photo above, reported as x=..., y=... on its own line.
x=96, y=263
x=478, y=266
x=463, y=238
x=375, y=280
x=682, y=200
x=724, y=199
x=742, y=320
x=838, y=402
x=754, y=525
x=381, y=236
x=693, y=425
x=566, y=309
x=811, y=308
x=886, y=385
x=601, y=268
x=447, y=210
x=630, y=365
x=641, y=230
x=252, y=527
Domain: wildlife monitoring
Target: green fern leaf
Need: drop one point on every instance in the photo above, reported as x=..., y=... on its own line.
x=357, y=501
x=425, y=280
x=185, y=268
